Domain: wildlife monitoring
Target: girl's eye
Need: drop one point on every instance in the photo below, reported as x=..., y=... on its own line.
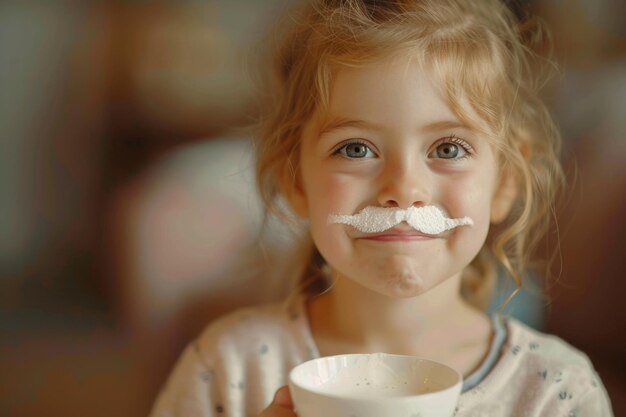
x=355, y=150
x=451, y=148
x=449, y=151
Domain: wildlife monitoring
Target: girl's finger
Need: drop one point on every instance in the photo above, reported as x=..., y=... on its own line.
x=281, y=406
x=283, y=397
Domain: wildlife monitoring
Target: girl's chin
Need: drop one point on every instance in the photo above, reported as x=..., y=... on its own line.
x=405, y=287
x=398, y=285
x=398, y=276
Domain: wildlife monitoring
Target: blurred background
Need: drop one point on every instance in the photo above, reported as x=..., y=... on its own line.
x=128, y=217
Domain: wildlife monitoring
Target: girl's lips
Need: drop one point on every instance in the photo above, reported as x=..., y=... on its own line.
x=398, y=234
x=397, y=237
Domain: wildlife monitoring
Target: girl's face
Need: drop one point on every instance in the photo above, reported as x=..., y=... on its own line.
x=389, y=139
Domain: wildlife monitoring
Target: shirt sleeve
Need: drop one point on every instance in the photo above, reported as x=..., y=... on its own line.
x=190, y=390
x=594, y=402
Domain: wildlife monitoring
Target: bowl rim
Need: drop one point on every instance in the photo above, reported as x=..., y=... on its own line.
x=456, y=386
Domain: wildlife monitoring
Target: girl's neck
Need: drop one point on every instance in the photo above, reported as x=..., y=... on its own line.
x=351, y=318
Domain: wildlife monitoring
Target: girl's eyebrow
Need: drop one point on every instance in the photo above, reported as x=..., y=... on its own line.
x=341, y=122
x=444, y=125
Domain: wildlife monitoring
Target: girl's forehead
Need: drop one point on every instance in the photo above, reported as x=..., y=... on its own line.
x=429, y=117
x=380, y=83
x=367, y=92
x=471, y=85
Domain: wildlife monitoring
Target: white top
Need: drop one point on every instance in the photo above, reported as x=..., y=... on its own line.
x=236, y=365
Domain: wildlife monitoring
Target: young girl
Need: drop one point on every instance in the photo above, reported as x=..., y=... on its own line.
x=388, y=113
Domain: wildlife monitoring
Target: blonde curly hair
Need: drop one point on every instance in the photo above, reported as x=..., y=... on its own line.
x=488, y=62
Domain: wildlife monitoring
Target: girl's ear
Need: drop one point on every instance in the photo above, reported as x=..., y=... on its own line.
x=291, y=188
x=504, y=196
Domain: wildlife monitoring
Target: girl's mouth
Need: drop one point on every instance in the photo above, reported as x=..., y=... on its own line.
x=399, y=233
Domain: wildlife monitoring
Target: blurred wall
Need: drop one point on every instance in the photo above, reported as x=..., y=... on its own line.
x=54, y=64
x=52, y=116
x=92, y=93
x=586, y=305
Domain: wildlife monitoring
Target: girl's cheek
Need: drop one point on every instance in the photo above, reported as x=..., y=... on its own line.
x=343, y=192
x=468, y=196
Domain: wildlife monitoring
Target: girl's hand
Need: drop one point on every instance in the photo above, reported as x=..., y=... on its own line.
x=281, y=406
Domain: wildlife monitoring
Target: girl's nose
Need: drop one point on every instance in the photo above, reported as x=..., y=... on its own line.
x=405, y=183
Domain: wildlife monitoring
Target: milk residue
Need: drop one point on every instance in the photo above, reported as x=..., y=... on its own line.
x=426, y=219
x=371, y=376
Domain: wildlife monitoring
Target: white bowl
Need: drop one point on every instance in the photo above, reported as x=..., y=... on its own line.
x=374, y=385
